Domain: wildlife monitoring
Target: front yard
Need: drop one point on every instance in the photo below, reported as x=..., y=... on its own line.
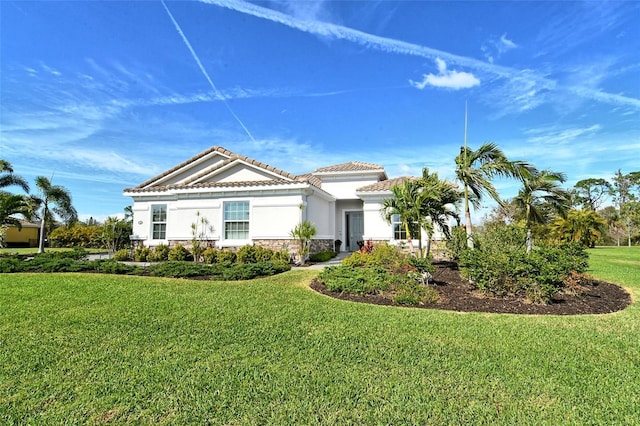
x=87, y=348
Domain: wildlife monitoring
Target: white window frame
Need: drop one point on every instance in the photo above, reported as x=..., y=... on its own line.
x=395, y=221
x=225, y=240
x=155, y=222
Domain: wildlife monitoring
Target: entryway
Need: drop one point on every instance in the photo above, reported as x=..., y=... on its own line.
x=354, y=224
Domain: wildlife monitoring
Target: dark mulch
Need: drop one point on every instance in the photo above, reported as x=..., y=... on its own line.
x=457, y=294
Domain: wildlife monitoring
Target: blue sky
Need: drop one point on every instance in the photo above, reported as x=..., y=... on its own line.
x=103, y=95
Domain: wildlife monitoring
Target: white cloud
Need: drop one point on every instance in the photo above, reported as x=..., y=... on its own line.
x=507, y=44
x=448, y=79
x=555, y=136
x=399, y=47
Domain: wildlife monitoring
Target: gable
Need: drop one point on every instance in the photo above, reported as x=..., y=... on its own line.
x=236, y=171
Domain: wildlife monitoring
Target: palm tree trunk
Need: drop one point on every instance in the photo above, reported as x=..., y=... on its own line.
x=467, y=216
x=41, y=242
x=409, y=241
x=529, y=241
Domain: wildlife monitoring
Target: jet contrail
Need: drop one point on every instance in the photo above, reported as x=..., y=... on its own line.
x=206, y=75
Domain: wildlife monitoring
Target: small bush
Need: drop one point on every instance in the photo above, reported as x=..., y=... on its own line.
x=411, y=292
x=141, y=254
x=246, y=254
x=323, y=256
x=226, y=256
x=179, y=253
x=354, y=280
x=113, y=267
x=122, y=255
x=160, y=253
x=281, y=256
x=210, y=255
x=180, y=269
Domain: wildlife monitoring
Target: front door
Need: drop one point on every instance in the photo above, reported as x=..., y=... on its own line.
x=355, y=229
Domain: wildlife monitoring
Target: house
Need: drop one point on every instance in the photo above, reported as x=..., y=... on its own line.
x=245, y=201
x=25, y=236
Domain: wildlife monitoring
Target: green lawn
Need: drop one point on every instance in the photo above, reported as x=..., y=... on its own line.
x=99, y=349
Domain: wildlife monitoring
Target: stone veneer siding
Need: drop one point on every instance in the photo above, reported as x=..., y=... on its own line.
x=288, y=245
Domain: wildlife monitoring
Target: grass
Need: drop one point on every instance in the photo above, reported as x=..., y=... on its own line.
x=80, y=348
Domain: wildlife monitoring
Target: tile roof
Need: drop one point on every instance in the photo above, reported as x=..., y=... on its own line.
x=384, y=185
x=350, y=167
x=162, y=188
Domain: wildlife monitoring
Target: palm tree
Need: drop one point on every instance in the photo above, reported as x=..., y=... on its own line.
x=540, y=193
x=406, y=204
x=53, y=200
x=7, y=178
x=438, y=200
x=581, y=226
x=12, y=205
x=475, y=169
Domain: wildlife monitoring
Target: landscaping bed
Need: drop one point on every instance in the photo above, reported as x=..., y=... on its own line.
x=457, y=294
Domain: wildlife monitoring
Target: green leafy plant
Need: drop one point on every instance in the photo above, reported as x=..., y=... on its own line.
x=323, y=256
x=303, y=233
x=180, y=253
x=122, y=255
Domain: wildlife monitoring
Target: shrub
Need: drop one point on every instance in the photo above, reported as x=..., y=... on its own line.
x=457, y=242
x=113, y=267
x=354, y=280
x=179, y=253
x=246, y=254
x=226, y=256
x=410, y=292
x=210, y=255
x=141, y=254
x=323, y=256
x=500, y=265
x=122, y=255
x=281, y=256
x=160, y=253
x=179, y=269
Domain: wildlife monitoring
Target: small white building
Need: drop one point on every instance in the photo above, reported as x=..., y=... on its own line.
x=245, y=202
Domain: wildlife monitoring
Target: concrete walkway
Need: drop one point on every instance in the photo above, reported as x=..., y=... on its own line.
x=332, y=262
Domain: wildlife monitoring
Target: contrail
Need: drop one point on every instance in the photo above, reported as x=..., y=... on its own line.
x=206, y=75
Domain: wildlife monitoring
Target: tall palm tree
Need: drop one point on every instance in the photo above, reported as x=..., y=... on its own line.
x=405, y=204
x=540, y=193
x=7, y=178
x=53, y=200
x=438, y=201
x=475, y=169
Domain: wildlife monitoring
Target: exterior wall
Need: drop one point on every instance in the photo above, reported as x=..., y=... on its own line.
x=271, y=218
x=322, y=214
x=344, y=187
x=25, y=237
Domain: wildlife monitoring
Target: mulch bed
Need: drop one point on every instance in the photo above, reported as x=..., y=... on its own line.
x=457, y=294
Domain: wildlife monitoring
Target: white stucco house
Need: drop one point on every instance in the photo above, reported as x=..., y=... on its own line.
x=248, y=202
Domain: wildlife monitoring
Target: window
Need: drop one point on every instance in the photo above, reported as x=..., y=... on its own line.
x=159, y=221
x=236, y=220
x=399, y=232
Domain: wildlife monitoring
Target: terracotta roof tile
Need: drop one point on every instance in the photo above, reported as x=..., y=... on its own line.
x=349, y=167
x=163, y=188
x=384, y=185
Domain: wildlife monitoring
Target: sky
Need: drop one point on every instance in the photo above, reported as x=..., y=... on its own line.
x=103, y=95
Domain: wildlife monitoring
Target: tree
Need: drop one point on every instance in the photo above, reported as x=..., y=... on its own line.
x=437, y=201
x=7, y=178
x=581, y=226
x=590, y=193
x=623, y=193
x=406, y=204
x=114, y=233
x=541, y=193
x=12, y=205
x=199, y=232
x=475, y=169
x=52, y=201
x=303, y=233
x=630, y=211
x=615, y=226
